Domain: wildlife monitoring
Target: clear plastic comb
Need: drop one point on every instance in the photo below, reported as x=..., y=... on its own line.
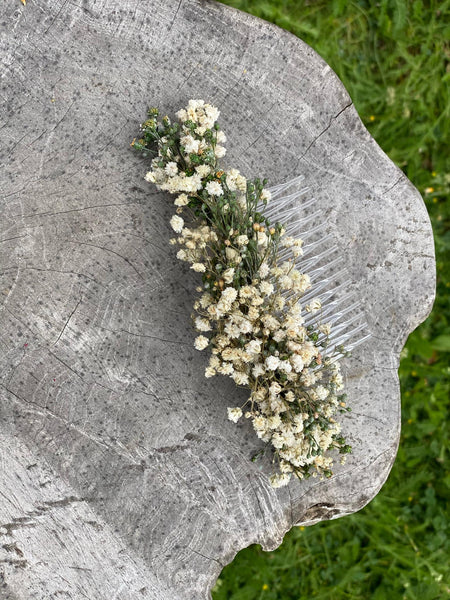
x=322, y=261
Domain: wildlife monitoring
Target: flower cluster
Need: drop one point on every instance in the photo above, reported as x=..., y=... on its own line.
x=249, y=314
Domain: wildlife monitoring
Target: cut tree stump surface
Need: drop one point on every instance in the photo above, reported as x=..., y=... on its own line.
x=121, y=477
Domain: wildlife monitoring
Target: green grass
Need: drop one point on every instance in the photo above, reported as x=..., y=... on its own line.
x=393, y=57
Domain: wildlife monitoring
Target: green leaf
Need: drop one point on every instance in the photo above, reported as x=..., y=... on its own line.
x=442, y=343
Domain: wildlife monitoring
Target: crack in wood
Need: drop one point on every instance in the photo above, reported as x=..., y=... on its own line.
x=67, y=321
x=324, y=131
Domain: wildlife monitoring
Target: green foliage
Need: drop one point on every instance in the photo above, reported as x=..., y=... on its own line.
x=393, y=57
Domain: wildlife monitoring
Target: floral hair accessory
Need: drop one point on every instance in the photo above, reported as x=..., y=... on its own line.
x=249, y=315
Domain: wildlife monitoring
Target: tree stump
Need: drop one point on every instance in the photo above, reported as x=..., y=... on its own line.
x=121, y=476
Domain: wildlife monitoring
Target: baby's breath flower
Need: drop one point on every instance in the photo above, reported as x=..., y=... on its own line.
x=210, y=372
x=203, y=170
x=272, y=363
x=219, y=151
x=171, y=169
x=201, y=342
x=249, y=297
x=279, y=480
x=234, y=414
x=150, y=177
x=221, y=137
x=214, y=188
x=191, y=145
x=242, y=240
x=181, y=200
x=228, y=275
x=202, y=324
x=199, y=267
x=314, y=306
x=265, y=195
x=177, y=223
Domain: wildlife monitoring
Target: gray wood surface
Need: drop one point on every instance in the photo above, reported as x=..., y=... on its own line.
x=120, y=476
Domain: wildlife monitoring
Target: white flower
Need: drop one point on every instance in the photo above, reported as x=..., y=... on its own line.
x=325, y=328
x=202, y=324
x=182, y=115
x=210, y=372
x=262, y=239
x=258, y=370
x=266, y=195
x=201, y=342
x=279, y=480
x=203, y=170
x=264, y=270
x=246, y=291
x=234, y=414
x=212, y=113
x=266, y=288
x=314, y=306
x=275, y=389
x=171, y=169
x=274, y=422
x=191, y=146
x=232, y=255
x=229, y=294
x=253, y=347
x=297, y=363
x=226, y=368
x=259, y=423
x=241, y=183
x=272, y=363
x=191, y=184
x=220, y=151
x=181, y=200
x=322, y=392
x=150, y=177
x=198, y=267
x=177, y=223
x=242, y=240
x=214, y=188
x=279, y=335
x=228, y=275
x=240, y=378
x=221, y=137
x=285, y=366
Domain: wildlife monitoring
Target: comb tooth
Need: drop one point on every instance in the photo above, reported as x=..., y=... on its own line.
x=358, y=342
x=323, y=262
x=326, y=282
x=350, y=347
x=317, y=288
x=285, y=205
x=312, y=246
x=311, y=262
x=305, y=235
x=345, y=311
x=294, y=226
x=339, y=328
x=278, y=197
x=302, y=260
x=345, y=336
x=339, y=302
x=281, y=213
x=276, y=189
x=334, y=309
x=333, y=262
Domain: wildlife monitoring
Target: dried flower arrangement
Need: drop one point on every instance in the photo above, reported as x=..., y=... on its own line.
x=250, y=295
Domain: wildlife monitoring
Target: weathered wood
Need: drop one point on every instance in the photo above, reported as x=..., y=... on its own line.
x=121, y=477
